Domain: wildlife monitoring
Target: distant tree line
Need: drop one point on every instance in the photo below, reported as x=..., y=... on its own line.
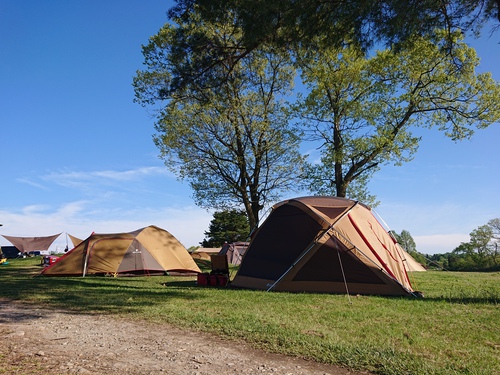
x=481, y=253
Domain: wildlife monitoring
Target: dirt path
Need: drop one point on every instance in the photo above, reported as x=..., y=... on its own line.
x=40, y=341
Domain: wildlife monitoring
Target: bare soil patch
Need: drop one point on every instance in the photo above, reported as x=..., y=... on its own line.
x=37, y=340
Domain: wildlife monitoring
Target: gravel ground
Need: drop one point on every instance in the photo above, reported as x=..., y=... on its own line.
x=37, y=341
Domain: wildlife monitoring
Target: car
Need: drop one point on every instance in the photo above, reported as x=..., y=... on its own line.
x=34, y=253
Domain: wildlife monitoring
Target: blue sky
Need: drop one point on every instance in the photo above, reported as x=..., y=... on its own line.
x=77, y=154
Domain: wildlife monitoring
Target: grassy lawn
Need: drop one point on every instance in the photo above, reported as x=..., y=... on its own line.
x=455, y=329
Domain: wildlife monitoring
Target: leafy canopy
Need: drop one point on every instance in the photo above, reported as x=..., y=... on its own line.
x=363, y=110
x=232, y=142
x=317, y=23
x=227, y=226
x=220, y=81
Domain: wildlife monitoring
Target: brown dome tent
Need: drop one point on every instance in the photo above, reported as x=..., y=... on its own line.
x=411, y=265
x=323, y=244
x=234, y=251
x=149, y=250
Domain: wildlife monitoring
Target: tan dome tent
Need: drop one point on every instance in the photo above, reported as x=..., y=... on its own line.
x=411, y=265
x=149, y=250
x=323, y=244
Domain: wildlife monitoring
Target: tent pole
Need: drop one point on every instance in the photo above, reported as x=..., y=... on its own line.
x=330, y=227
x=298, y=259
x=343, y=273
x=86, y=259
x=380, y=268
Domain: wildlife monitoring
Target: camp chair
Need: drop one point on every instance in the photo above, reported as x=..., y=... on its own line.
x=220, y=268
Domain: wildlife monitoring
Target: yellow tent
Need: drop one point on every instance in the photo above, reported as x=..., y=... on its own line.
x=149, y=250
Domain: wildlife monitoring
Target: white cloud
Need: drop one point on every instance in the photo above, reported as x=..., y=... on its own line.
x=32, y=183
x=437, y=228
x=80, y=219
x=439, y=243
x=73, y=178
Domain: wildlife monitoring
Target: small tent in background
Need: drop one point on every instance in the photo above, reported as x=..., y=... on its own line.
x=149, y=250
x=411, y=265
x=323, y=244
x=234, y=251
x=200, y=256
x=204, y=253
x=27, y=244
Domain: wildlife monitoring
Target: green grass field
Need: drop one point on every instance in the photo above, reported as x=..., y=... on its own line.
x=455, y=329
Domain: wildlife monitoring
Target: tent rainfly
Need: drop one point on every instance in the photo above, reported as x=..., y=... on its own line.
x=411, y=265
x=27, y=244
x=149, y=250
x=74, y=240
x=323, y=244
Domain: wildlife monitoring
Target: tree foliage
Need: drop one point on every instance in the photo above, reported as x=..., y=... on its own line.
x=362, y=110
x=232, y=142
x=481, y=253
x=227, y=226
x=408, y=243
x=220, y=72
x=315, y=23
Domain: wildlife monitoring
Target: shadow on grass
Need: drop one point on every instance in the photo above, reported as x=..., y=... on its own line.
x=93, y=293
x=108, y=295
x=492, y=298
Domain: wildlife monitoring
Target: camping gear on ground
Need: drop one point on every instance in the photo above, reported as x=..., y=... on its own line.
x=149, y=251
x=323, y=244
x=219, y=276
x=49, y=260
x=234, y=251
x=210, y=279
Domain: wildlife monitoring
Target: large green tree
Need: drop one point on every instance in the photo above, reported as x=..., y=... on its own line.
x=363, y=111
x=494, y=246
x=480, y=240
x=406, y=241
x=233, y=141
x=227, y=226
x=322, y=23
x=474, y=255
